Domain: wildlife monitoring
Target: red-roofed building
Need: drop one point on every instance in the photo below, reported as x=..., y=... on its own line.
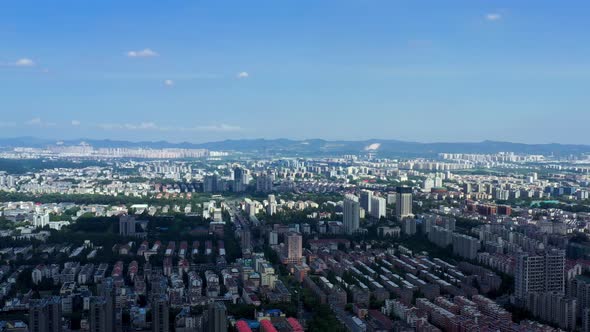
x=242, y=326
x=294, y=323
x=266, y=326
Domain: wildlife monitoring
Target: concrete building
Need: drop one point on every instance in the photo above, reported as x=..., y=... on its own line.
x=409, y=226
x=553, y=307
x=160, y=315
x=543, y=272
x=403, y=204
x=40, y=219
x=217, y=317
x=294, y=248
x=378, y=207
x=351, y=214
x=365, y=199
x=239, y=184
x=45, y=315
x=465, y=246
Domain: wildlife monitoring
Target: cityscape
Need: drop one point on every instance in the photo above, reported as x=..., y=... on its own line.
x=220, y=241
x=291, y=166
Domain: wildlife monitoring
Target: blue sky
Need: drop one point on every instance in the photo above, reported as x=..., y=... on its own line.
x=344, y=69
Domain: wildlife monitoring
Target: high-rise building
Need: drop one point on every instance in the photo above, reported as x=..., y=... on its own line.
x=246, y=239
x=351, y=214
x=542, y=272
x=273, y=238
x=239, y=179
x=45, y=315
x=409, y=226
x=264, y=183
x=365, y=200
x=112, y=318
x=553, y=307
x=271, y=208
x=378, y=207
x=40, y=219
x=127, y=225
x=217, y=317
x=465, y=246
x=403, y=204
x=98, y=315
x=428, y=184
x=294, y=248
x=210, y=184
x=160, y=314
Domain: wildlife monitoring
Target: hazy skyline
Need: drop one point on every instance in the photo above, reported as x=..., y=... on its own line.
x=201, y=71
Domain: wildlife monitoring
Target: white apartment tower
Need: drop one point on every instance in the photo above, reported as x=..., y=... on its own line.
x=403, y=207
x=351, y=214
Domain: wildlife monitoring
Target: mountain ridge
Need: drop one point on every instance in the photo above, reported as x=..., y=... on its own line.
x=317, y=146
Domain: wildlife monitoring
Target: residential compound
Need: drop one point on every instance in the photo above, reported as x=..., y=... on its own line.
x=209, y=242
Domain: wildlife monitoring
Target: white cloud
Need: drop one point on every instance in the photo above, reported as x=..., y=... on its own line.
x=218, y=128
x=38, y=122
x=145, y=53
x=24, y=62
x=168, y=82
x=493, y=17
x=242, y=74
x=75, y=123
x=129, y=126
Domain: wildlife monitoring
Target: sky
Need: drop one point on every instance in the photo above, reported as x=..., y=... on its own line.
x=417, y=70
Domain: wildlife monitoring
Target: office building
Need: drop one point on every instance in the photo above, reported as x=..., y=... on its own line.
x=351, y=214
x=403, y=204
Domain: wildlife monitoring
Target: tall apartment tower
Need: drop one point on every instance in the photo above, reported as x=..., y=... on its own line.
x=403, y=204
x=378, y=207
x=365, y=200
x=160, y=314
x=239, y=179
x=217, y=317
x=294, y=248
x=98, y=315
x=351, y=214
x=542, y=272
x=127, y=225
x=112, y=317
x=45, y=315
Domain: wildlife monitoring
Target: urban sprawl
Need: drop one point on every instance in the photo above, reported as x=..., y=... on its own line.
x=132, y=239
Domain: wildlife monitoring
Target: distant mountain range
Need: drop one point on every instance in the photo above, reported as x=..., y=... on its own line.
x=320, y=146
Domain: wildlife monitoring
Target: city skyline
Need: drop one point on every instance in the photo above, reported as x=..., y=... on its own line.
x=459, y=72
